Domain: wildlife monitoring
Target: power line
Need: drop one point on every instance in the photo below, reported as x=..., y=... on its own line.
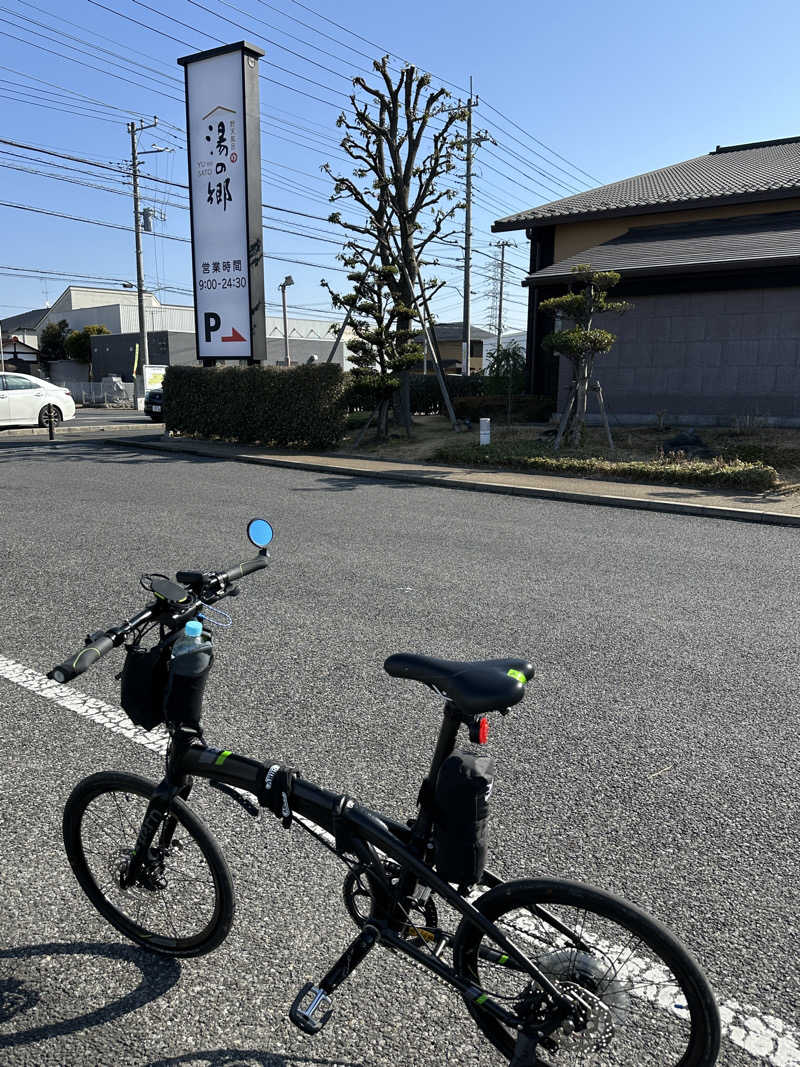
x=129, y=229
x=461, y=89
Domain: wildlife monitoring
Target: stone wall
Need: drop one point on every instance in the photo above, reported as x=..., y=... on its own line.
x=703, y=358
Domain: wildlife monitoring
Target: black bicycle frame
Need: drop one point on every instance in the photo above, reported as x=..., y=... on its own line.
x=357, y=832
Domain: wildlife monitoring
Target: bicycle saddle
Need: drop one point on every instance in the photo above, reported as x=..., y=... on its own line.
x=475, y=688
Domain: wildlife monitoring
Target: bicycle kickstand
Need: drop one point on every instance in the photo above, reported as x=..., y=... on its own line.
x=312, y=1007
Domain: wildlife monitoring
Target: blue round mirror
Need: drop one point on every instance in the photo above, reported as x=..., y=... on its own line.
x=260, y=532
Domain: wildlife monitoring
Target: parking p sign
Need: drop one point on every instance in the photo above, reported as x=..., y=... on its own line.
x=224, y=148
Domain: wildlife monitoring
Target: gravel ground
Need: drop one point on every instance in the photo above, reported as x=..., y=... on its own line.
x=655, y=755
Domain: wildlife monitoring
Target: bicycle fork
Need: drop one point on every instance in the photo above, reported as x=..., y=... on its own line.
x=157, y=817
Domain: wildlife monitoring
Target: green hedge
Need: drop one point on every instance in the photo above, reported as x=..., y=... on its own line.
x=299, y=406
x=426, y=396
x=523, y=408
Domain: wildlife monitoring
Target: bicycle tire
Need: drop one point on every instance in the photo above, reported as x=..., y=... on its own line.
x=125, y=797
x=614, y=975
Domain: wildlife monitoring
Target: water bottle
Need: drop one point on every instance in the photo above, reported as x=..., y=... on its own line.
x=190, y=640
x=188, y=669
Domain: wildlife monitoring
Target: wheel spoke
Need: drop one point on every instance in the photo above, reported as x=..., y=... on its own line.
x=634, y=1003
x=176, y=896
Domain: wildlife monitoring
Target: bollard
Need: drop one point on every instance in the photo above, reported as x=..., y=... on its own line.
x=485, y=431
x=50, y=429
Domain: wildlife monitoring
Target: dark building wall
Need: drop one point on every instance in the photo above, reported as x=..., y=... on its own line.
x=115, y=353
x=702, y=357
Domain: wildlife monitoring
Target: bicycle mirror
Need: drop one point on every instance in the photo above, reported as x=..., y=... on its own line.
x=259, y=532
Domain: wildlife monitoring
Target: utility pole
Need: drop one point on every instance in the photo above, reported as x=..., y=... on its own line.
x=133, y=130
x=502, y=245
x=467, y=334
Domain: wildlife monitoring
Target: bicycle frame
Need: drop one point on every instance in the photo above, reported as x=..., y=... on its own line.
x=357, y=832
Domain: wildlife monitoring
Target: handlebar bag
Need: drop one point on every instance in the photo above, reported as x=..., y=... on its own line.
x=143, y=683
x=461, y=816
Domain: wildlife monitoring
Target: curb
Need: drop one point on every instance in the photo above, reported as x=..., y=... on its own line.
x=43, y=431
x=771, y=518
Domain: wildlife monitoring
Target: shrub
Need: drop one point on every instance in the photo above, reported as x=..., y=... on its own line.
x=667, y=470
x=298, y=406
x=426, y=396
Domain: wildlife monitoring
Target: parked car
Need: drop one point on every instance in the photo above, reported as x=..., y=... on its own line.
x=153, y=404
x=24, y=400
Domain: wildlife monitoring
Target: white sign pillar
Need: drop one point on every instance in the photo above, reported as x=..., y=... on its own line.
x=224, y=146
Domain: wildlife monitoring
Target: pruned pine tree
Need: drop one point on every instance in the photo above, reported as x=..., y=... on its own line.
x=582, y=343
x=381, y=349
x=404, y=137
x=507, y=365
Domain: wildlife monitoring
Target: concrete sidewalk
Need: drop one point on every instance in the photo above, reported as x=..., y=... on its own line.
x=772, y=508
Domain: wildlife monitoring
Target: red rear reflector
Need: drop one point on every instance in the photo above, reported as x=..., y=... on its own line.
x=483, y=731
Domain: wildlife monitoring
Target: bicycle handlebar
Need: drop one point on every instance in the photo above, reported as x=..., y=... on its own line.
x=99, y=644
x=75, y=665
x=241, y=569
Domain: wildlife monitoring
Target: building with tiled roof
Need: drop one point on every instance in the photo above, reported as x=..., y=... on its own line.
x=709, y=254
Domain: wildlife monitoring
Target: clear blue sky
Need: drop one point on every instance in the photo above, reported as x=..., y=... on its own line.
x=575, y=95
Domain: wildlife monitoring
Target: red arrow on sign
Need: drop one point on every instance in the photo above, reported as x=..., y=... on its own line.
x=235, y=336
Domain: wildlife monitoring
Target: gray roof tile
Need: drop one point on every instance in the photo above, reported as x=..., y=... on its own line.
x=721, y=244
x=761, y=170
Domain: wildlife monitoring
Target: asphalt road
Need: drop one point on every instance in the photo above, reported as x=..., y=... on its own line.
x=656, y=754
x=110, y=417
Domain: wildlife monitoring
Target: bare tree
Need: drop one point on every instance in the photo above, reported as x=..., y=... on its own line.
x=404, y=138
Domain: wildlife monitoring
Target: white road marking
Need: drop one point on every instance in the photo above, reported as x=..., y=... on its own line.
x=765, y=1037
x=106, y=715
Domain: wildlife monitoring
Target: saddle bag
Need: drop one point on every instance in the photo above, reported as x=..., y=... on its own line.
x=461, y=816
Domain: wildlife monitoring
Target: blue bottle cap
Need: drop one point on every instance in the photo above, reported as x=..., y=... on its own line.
x=193, y=628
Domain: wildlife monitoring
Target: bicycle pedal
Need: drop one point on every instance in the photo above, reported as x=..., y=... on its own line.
x=318, y=1009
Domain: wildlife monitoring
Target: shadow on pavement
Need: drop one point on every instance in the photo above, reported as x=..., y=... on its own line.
x=722, y=498
x=248, y=1058
x=19, y=993
x=104, y=451
x=408, y=479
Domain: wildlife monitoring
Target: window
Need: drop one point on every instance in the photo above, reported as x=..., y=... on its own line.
x=14, y=381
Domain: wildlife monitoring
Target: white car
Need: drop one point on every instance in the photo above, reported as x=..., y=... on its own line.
x=24, y=400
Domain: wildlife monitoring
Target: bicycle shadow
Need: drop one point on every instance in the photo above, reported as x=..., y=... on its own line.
x=18, y=995
x=248, y=1058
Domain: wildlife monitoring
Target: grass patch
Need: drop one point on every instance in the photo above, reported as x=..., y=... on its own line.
x=669, y=469
x=764, y=459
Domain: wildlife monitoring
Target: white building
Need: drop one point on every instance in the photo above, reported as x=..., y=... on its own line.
x=118, y=311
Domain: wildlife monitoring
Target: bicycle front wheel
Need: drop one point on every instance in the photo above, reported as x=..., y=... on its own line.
x=182, y=904
x=646, y=1000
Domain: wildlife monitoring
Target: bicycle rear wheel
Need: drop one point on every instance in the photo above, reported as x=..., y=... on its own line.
x=183, y=902
x=648, y=1001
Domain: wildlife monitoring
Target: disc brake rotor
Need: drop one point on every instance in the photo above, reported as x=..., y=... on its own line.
x=593, y=1031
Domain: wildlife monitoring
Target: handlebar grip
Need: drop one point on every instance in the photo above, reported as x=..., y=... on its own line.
x=87, y=656
x=241, y=569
